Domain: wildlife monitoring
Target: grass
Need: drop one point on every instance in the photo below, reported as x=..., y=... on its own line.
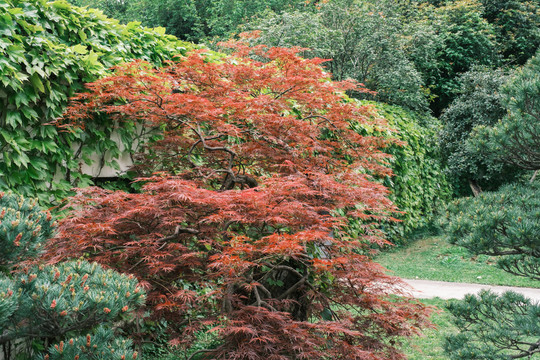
x=430, y=344
x=435, y=259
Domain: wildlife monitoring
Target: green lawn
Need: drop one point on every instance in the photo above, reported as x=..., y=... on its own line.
x=429, y=345
x=435, y=259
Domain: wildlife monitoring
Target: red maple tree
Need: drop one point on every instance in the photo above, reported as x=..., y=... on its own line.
x=248, y=236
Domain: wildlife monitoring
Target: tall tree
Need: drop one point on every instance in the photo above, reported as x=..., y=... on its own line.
x=246, y=237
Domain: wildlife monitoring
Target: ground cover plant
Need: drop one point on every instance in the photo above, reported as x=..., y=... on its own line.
x=245, y=237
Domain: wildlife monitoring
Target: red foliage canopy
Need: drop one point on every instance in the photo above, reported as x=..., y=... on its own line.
x=245, y=237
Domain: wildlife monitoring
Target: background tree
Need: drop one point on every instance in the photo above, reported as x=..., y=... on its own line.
x=505, y=224
x=480, y=103
x=447, y=41
x=515, y=139
x=364, y=41
x=192, y=20
x=243, y=237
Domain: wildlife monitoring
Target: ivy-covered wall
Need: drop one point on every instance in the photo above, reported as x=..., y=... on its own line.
x=419, y=186
x=48, y=50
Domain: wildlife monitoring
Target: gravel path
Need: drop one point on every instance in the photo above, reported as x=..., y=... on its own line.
x=426, y=289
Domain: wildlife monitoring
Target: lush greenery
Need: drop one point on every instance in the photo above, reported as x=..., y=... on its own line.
x=47, y=52
x=505, y=224
x=24, y=228
x=479, y=103
x=494, y=327
x=192, y=20
x=363, y=40
x=515, y=139
x=418, y=186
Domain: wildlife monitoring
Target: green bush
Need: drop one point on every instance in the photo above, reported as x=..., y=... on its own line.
x=446, y=41
x=49, y=303
x=364, y=39
x=48, y=50
x=505, y=223
x=515, y=139
x=494, y=327
x=480, y=103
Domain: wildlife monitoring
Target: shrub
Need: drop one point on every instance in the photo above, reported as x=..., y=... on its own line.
x=505, y=224
x=42, y=304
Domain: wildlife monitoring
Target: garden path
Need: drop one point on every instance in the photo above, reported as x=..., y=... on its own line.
x=427, y=289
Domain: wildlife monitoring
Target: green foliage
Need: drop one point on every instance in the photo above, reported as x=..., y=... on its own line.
x=516, y=138
x=102, y=344
x=517, y=27
x=494, y=327
x=43, y=304
x=68, y=299
x=47, y=52
x=505, y=223
x=363, y=39
x=23, y=228
x=447, y=41
x=419, y=185
x=193, y=20
x=516, y=24
x=9, y=301
x=480, y=102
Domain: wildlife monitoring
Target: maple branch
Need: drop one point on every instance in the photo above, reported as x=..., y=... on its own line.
x=294, y=287
x=180, y=230
x=200, y=352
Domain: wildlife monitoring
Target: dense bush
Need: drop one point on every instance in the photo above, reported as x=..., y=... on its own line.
x=515, y=139
x=192, y=20
x=505, y=223
x=446, y=41
x=24, y=228
x=494, y=327
x=102, y=343
x=47, y=51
